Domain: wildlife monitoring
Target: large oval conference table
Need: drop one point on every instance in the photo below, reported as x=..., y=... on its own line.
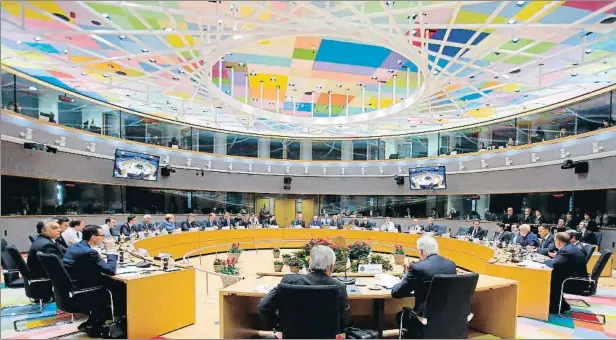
x=533, y=283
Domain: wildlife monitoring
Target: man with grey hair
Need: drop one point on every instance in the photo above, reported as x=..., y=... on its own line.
x=321, y=265
x=418, y=279
x=146, y=224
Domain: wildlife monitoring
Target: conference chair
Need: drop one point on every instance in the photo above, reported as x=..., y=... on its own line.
x=599, y=237
x=589, y=249
x=68, y=298
x=309, y=312
x=399, y=227
x=447, y=311
x=37, y=290
x=588, y=287
x=440, y=230
x=462, y=231
x=9, y=269
x=32, y=237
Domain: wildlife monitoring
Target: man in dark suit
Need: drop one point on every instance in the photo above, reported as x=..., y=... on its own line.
x=129, y=226
x=575, y=237
x=321, y=265
x=568, y=262
x=500, y=235
x=476, y=231
x=211, y=222
x=299, y=221
x=271, y=220
x=539, y=219
x=365, y=224
x=586, y=235
x=510, y=219
x=227, y=222
x=87, y=269
x=570, y=222
x=591, y=225
x=146, y=224
x=336, y=222
x=546, y=243
x=526, y=238
x=63, y=223
x=189, y=223
x=430, y=226
x=418, y=279
x=48, y=231
x=527, y=218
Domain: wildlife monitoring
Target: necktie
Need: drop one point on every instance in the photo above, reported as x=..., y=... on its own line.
x=541, y=243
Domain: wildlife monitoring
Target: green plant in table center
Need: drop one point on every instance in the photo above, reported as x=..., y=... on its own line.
x=235, y=248
x=382, y=260
x=278, y=263
x=359, y=250
x=229, y=267
x=399, y=250
x=217, y=262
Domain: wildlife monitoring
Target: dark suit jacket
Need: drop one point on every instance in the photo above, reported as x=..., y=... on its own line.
x=337, y=223
x=592, y=226
x=296, y=222
x=539, y=220
x=114, y=231
x=505, y=236
x=271, y=222
x=419, y=278
x=530, y=219
x=513, y=219
x=530, y=240
x=47, y=246
x=568, y=262
x=571, y=224
x=368, y=225
x=187, y=225
x=211, y=224
x=429, y=227
x=85, y=265
x=61, y=243
x=547, y=245
x=480, y=233
x=126, y=229
x=589, y=237
x=226, y=223
x=269, y=304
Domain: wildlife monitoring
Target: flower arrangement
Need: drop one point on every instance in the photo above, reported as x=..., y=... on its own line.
x=217, y=265
x=235, y=248
x=306, y=248
x=228, y=267
x=278, y=266
x=399, y=250
x=285, y=258
x=342, y=257
x=359, y=250
x=295, y=263
x=276, y=253
x=399, y=255
x=382, y=260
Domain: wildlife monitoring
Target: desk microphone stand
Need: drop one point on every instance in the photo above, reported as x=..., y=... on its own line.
x=346, y=280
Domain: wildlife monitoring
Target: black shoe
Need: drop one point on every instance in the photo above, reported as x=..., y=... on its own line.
x=85, y=325
x=95, y=331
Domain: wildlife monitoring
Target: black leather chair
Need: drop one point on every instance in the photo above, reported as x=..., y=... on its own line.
x=319, y=316
x=599, y=237
x=589, y=249
x=440, y=230
x=68, y=298
x=9, y=269
x=32, y=237
x=588, y=285
x=447, y=310
x=462, y=231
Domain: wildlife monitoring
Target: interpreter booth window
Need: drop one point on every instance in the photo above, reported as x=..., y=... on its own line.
x=177, y=201
x=499, y=204
x=553, y=205
x=330, y=204
x=34, y=99
x=7, y=81
x=242, y=146
x=591, y=113
x=326, y=150
x=239, y=203
x=112, y=124
x=293, y=149
x=502, y=135
x=203, y=140
x=206, y=202
x=145, y=201
x=277, y=149
x=22, y=196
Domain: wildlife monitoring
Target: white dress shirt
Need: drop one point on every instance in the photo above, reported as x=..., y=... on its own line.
x=106, y=231
x=71, y=236
x=388, y=226
x=415, y=228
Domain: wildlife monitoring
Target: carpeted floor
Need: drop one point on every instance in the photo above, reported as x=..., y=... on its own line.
x=604, y=302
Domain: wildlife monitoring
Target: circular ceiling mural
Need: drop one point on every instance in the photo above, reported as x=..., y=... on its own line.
x=317, y=68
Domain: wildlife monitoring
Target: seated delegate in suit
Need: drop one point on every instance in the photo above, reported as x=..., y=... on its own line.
x=72, y=234
x=515, y=234
x=109, y=226
x=168, y=224
x=500, y=235
x=63, y=222
x=539, y=219
x=146, y=224
x=365, y=223
x=270, y=221
x=189, y=223
x=87, y=269
x=321, y=265
x=430, y=226
x=299, y=221
x=48, y=231
x=527, y=238
x=415, y=227
x=527, y=218
x=336, y=222
x=575, y=237
x=560, y=226
x=389, y=225
x=127, y=228
x=476, y=231
x=510, y=218
x=211, y=222
x=418, y=279
x=568, y=262
x=315, y=222
x=226, y=222
x=546, y=243
x=591, y=225
x=570, y=222
x=586, y=235
x=253, y=220
x=326, y=221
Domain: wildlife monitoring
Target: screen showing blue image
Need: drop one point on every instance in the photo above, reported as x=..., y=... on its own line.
x=134, y=165
x=428, y=178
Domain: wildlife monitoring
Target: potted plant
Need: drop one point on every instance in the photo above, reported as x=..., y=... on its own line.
x=359, y=250
x=217, y=265
x=295, y=263
x=285, y=258
x=278, y=266
x=399, y=255
x=382, y=260
x=234, y=252
x=230, y=272
x=276, y=253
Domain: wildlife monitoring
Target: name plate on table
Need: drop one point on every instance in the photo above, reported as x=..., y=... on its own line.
x=376, y=229
x=142, y=252
x=332, y=227
x=193, y=229
x=257, y=226
x=164, y=232
x=141, y=235
x=164, y=256
x=225, y=228
x=240, y=227
x=274, y=227
x=370, y=268
x=315, y=227
x=177, y=231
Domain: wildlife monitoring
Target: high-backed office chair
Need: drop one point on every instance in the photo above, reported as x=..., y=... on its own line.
x=462, y=231
x=318, y=317
x=32, y=237
x=9, y=269
x=440, y=230
x=447, y=311
x=399, y=227
x=599, y=237
x=589, y=285
x=68, y=298
x=405, y=228
x=589, y=249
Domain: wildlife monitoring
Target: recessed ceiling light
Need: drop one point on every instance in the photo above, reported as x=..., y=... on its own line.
x=121, y=73
x=575, y=64
x=145, y=50
x=84, y=74
x=122, y=37
x=517, y=90
x=588, y=51
x=435, y=72
x=517, y=70
x=18, y=42
x=32, y=88
x=95, y=23
x=602, y=73
x=520, y=3
x=511, y=21
x=176, y=78
x=105, y=75
x=574, y=74
x=168, y=29
x=65, y=51
x=515, y=40
x=152, y=60
x=105, y=15
x=609, y=20
x=38, y=38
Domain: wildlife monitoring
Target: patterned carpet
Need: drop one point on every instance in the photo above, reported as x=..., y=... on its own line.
x=604, y=302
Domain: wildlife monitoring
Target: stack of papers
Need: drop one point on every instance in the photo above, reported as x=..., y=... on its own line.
x=532, y=264
x=386, y=280
x=264, y=288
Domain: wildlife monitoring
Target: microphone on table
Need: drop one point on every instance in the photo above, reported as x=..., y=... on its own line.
x=346, y=280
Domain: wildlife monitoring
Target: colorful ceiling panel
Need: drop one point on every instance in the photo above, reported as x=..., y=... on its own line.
x=317, y=68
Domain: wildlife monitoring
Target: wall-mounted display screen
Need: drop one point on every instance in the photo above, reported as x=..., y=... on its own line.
x=134, y=165
x=428, y=178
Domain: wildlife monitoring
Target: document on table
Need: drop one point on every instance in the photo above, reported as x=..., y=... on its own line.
x=264, y=288
x=532, y=264
x=133, y=269
x=386, y=280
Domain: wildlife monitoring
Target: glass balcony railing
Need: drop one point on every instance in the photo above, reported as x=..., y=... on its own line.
x=40, y=101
